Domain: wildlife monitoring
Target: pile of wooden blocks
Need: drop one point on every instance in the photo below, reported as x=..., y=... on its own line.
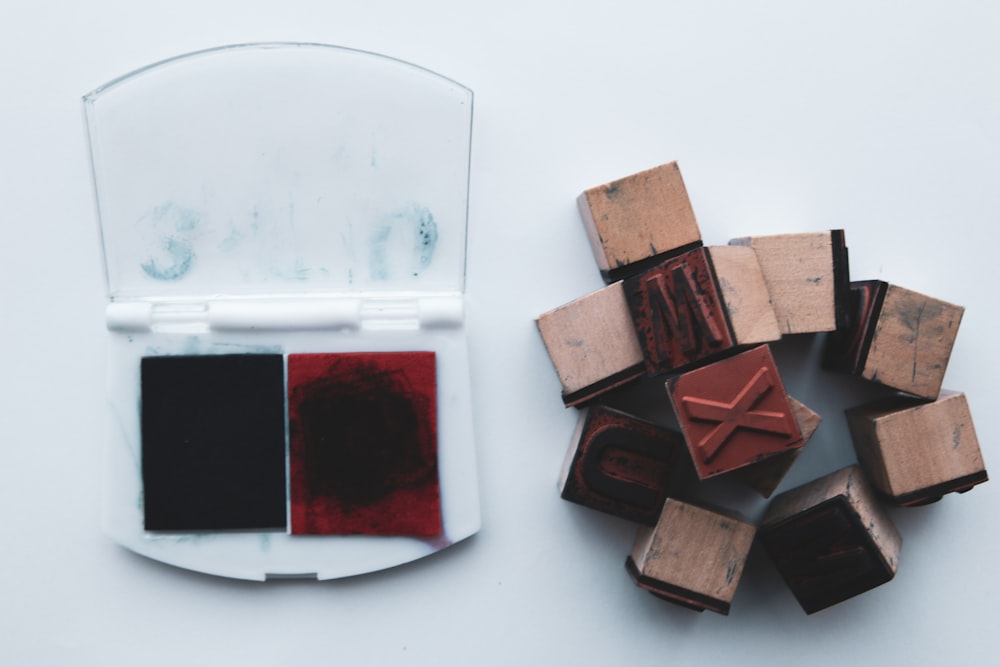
x=701, y=318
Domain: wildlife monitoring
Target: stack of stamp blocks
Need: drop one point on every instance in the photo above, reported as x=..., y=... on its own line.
x=701, y=319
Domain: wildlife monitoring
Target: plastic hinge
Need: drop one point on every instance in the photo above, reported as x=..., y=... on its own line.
x=319, y=314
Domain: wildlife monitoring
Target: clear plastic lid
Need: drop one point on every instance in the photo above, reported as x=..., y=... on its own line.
x=281, y=169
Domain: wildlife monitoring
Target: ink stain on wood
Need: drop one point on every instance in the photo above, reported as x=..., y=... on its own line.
x=363, y=444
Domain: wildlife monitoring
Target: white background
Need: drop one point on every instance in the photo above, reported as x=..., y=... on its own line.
x=881, y=118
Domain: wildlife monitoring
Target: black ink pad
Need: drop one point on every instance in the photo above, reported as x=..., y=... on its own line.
x=213, y=443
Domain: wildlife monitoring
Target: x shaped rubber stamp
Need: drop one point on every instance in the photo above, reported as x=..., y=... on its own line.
x=736, y=414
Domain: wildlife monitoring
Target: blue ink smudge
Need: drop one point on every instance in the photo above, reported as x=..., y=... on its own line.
x=380, y=237
x=232, y=240
x=175, y=227
x=181, y=254
x=300, y=271
x=427, y=238
x=419, y=225
x=255, y=219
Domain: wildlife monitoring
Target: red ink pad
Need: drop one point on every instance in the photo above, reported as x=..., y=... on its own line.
x=363, y=444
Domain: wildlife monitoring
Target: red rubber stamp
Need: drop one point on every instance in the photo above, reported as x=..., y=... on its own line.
x=734, y=412
x=678, y=313
x=620, y=464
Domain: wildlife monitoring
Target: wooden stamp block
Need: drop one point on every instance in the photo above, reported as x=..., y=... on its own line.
x=830, y=539
x=764, y=477
x=678, y=314
x=592, y=344
x=897, y=337
x=745, y=295
x=620, y=464
x=634, y=220
x=915, y=452
x=693, y=557
x=807, y=275
x=734, y=412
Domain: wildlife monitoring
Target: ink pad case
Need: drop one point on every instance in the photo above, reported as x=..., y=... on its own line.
x=284, y=235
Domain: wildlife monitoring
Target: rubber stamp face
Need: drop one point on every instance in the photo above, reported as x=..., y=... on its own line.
x=677, y=311
x=825, y=555
x=734, y=412
x=621, y=465
x=363, y=444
